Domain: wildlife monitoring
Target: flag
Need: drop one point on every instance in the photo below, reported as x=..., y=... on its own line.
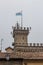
x=19, y=14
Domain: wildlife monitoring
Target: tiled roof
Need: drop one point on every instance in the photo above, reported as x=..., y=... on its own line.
x=9, y=48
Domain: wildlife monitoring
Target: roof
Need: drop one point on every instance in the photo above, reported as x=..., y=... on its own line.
x=23, y=55
x=9, y=48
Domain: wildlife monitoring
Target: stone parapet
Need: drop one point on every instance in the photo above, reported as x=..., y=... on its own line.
x=35, y=44
x=29, y=48
x=21, y=28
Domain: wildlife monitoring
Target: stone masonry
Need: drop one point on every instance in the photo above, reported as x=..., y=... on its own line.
x=23, y=54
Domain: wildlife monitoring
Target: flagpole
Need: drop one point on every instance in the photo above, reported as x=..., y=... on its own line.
x=20, y=13
x=21, y=19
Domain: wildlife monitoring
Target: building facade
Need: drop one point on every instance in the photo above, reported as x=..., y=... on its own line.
x=22, y=53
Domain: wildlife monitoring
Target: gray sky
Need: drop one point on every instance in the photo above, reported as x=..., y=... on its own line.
x=32, y=16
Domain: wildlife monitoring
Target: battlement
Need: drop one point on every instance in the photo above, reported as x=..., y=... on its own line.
x=35, y=44
x=31, y=48
x=20, y=28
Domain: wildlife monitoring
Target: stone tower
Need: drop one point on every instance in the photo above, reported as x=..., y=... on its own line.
x=20, y=35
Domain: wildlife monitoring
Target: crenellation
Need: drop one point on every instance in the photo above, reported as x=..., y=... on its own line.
x=41, y=44
x=34, y=44
x=24, y=28
x=37, y=44
x=27, y=28
x=21, y=28
x=30, y=44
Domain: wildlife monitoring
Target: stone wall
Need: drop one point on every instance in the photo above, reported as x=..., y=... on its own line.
x=22, y=62
x=10, y=62
x=33, y=62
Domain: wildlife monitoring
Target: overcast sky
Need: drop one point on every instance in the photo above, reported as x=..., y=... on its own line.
x=32, y=16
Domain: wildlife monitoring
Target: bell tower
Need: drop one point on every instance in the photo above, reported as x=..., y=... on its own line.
x=20, y=35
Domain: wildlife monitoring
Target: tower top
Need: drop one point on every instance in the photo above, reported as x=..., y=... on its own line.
x=20, y=35
x=20, y=30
